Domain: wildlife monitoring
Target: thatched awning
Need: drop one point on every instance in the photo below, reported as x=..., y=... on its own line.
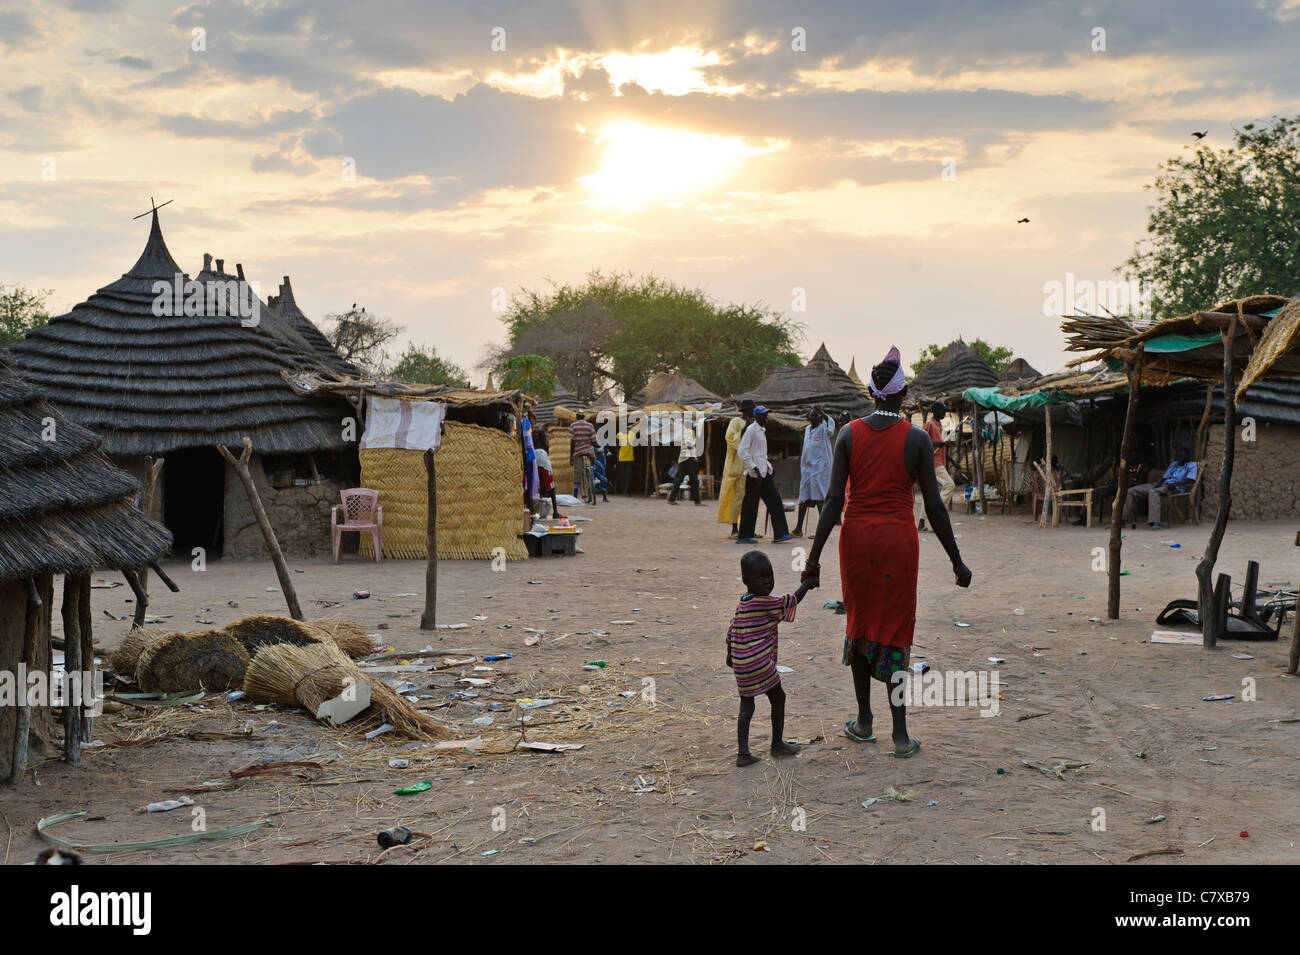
x=1190, y=346
x=153, y=383
x=505, y=402
x=63, y=506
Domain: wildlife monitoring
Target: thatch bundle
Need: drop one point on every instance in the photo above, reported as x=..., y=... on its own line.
x=351, y=637
x=125, y=658
x=480, y=495
x=175, y=662
x=310, y=675
x=561, y=466
x=265, y=630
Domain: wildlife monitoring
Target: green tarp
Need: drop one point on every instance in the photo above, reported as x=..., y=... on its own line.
x=992, y=398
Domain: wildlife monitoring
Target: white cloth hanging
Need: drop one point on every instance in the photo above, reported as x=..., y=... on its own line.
x=394, y=423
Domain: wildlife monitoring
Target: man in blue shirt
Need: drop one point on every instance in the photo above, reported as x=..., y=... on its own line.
x=1178, y=477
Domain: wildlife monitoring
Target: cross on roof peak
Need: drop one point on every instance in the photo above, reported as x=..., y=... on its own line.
x=153, y=208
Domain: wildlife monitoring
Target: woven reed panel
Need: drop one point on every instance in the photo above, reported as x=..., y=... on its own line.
x=560, y=465
x=480, y=496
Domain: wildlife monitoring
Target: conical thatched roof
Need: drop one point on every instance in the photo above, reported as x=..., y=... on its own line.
x=151, y=384
x=856, y=378
x=1018, y=370
x=543, y=412
x=62, y=502
x=668, y=388
x=957, y=369
x=315, y=340
x=821, y=382
x=606, y=400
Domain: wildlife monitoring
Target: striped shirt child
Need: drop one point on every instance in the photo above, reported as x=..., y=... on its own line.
x=751, y=641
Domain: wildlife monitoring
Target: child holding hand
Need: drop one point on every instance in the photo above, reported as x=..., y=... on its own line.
x=751, y=651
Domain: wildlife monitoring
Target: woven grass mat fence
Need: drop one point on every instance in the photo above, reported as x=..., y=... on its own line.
x=480, y=496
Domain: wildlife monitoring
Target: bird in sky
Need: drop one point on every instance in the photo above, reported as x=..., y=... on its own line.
x=1021, y=221
x=1201, y=135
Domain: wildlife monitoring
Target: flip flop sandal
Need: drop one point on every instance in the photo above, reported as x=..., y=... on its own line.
x=850, y=731
x=909, y=752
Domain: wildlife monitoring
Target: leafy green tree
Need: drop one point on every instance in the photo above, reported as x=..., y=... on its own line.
x=21, y=311
x=1224, y=224
x=531, y=374
x=425, y=366
x=996, y=357
x=621, y=328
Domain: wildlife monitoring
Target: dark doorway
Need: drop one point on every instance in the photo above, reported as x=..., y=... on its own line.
x=194, y=489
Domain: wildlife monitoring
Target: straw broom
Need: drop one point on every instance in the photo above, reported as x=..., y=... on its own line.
x=310, y=675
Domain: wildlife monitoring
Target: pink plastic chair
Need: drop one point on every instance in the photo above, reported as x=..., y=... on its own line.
x=361, y=511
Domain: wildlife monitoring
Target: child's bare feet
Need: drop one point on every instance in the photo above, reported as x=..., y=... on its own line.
x=746, y=759
x=785, y=749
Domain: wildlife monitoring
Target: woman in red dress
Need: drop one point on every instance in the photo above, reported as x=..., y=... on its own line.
x=879, y=458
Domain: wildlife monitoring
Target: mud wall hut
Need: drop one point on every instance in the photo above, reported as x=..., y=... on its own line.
x=164, y=367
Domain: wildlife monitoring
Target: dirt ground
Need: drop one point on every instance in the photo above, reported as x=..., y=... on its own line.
x=657, y=781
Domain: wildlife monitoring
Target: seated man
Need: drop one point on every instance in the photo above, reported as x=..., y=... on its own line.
x=1178, y=478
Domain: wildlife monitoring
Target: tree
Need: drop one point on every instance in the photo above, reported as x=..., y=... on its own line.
x=996, y=357
x=1224, y=223
x=531, y=374
x=426, y=367
x=362, y=338
x=622, y=328
x=21, y=311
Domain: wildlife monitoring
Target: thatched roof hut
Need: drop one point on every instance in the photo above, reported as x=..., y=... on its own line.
x=63, y=504
x=543, y=413
x=158, y=364
x=669, y=388
x=945, y=378
x=63, y=509
x=1018, y=370
x=821, y=382
x=152, y=384
x=856, y=378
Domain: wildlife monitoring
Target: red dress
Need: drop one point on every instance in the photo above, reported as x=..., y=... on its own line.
x=879, y=548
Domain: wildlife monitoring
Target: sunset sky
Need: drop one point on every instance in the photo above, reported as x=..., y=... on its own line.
x=694, y=140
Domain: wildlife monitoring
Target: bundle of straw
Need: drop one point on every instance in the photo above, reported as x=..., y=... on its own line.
x=350, y=637
x=175, y=662
x=264, y=630
x=127, y=655
x=310, y=675
x=306, y=676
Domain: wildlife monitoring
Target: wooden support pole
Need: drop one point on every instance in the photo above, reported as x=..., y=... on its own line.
x=240, y=466
x=429, y=619
x=1294, y=662
x=71, y=664
x=1202, y=432
x=171, y=584
x=151, y=471
x=23, y=721
x=85, y=628
x=1121, y=488
x=977, y=454
x=141, y=598
x=979, y=429
x=1205, y=569
x=1047, y=455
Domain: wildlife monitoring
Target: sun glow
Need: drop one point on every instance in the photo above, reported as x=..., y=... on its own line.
x=643, y=163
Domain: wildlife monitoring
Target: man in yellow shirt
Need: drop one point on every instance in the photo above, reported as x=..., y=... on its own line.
x=730, y=494
x=626, y=457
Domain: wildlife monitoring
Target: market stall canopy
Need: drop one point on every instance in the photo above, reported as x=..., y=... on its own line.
x=1267, y=343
